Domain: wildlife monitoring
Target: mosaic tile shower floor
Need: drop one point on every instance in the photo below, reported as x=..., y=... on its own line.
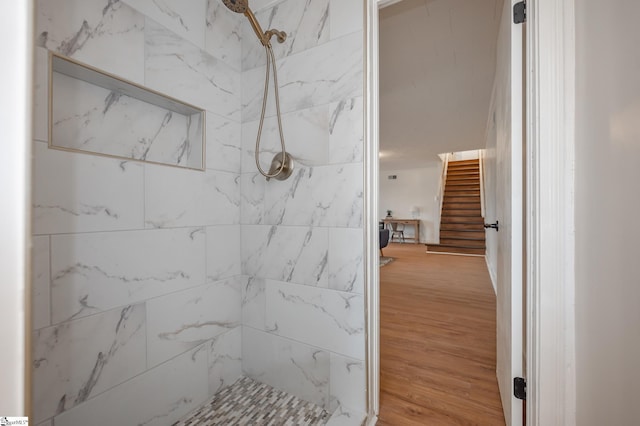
x=250, y=403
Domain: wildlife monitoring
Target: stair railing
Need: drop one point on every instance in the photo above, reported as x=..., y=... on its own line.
x=481, y=168
x=443, y=183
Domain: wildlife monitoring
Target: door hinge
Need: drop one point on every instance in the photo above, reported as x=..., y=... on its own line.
x=520, y=12
x=520, y=388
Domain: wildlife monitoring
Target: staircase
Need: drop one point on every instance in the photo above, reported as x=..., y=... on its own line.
x=461, y=222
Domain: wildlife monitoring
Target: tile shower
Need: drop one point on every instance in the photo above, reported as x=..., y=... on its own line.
x=154, y=286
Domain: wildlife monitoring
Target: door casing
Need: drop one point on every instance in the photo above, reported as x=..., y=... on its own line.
x=549, y=212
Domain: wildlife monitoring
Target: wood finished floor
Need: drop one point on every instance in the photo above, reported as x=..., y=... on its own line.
x=437, y=340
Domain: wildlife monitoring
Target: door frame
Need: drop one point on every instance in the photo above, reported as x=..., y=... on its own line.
x=549, y=211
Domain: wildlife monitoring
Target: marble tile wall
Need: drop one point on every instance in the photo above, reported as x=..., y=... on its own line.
x=183, y=280
x=137, y=301
x=302, y=239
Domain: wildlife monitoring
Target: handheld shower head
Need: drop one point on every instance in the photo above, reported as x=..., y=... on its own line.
x=238, y=6
x=242, y=6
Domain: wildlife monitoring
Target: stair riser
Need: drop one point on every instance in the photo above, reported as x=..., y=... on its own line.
x=462, y=234
x=465, y=243
x=461, y=191
x=460, y=173
x=462, y=227
x=461, y=206
x=466, y=176
x=460, y=219
x=453, y=199
x=461, y=213
x=464, y=162
x=455, y=250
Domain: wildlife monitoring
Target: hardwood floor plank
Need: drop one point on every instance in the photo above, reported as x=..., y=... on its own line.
x=437, y=340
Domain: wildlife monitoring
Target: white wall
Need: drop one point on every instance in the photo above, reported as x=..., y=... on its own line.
x=15, y=132
x=413, y=187
x=607, y=206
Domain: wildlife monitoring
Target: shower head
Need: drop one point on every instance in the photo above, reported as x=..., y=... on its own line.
x=238, y=6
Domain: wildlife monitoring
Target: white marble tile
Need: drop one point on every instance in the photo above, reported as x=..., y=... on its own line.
x=346, y=140
x=106, y=34
x=41, y=95
x=183, y=18
x=77, y=360
x=348, y=385
x=346, y=254
x=287, y=365
x=180, y=321
x=223, y=252
x=317, y=196
x=159, y=397
x=182, y=70
x=223, y=36
x=252, y=187
x=225, y=359
x=306, y=136
x=325, y=318
x=95, y=272
x=258, y=5
x=305, y=22
x=253, y=302
x=41, y=281
x=84, y=193
x=90, y=118
x=224, y=150
x=327, y=73
x=291, y=254
x=345, y=17
x=345, y=417
x=175, y=197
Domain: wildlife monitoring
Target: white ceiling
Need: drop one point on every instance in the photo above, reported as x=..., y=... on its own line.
x=437, y=62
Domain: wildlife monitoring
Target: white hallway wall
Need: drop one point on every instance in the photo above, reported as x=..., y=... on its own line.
x=607, y=204
x=413, y=187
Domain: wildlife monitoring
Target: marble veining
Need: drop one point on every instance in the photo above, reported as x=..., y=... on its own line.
x=183, y=18
x=305, y=22
x=316, y=316
x=293, y=254
x=41, y=280
x=318, y=196
x=99, y=271
x=286, y=364
x=212, y=197
x=223, y=37
x=223, y=252
x=90, y=118
x=224, y=150
x=181, y=69
x=347, y=383
x=345, y=131
x=81, y=193
x=253, y=302
x=86, y=29
x=77, y=360
x=306, y=137
x=184, y=385
x=225, y=359
x=205, y=312
x=346, y=260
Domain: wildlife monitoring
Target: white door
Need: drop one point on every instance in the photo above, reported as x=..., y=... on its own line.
x=509, y=211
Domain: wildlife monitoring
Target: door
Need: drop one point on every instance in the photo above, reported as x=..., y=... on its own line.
x=509, y=211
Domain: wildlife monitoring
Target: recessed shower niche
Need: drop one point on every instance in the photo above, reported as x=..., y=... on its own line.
x=95, y=112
